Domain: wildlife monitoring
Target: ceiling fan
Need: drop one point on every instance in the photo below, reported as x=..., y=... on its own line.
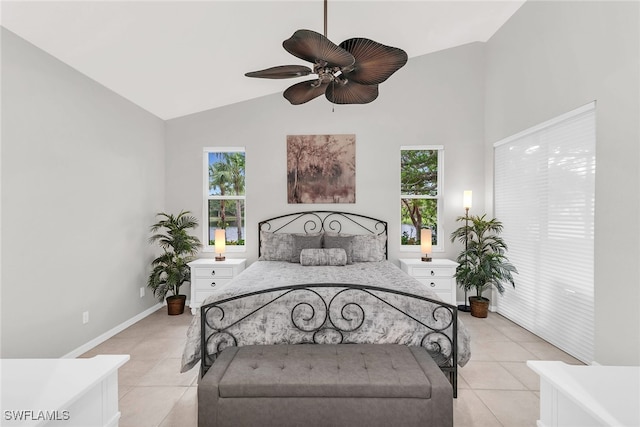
x=347, y=74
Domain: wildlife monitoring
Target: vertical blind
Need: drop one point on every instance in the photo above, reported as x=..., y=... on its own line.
x=545, y=197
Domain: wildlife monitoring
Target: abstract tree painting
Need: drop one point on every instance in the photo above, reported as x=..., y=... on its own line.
x=321, y=168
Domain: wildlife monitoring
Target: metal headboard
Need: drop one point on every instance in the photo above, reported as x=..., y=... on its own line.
x=324, y=221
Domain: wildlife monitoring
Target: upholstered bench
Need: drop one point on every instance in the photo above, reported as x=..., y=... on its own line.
x=325, y=385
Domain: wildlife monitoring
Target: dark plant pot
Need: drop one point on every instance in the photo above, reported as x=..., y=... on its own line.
x=479, y=306
x=175, y=304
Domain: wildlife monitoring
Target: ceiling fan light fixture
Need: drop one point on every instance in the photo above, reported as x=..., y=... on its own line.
x=348, y=73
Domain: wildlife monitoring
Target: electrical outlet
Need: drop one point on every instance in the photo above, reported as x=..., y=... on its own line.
x=85, y=317
x=141, y=292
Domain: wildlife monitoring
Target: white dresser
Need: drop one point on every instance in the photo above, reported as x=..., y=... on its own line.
x=61, y=392
x=436, y=274
x=587, y=396
x=208, y=274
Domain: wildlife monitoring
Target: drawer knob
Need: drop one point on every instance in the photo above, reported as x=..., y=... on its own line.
x=433, y=273
x=213, y=284
x=433, y=285
x=213, y=272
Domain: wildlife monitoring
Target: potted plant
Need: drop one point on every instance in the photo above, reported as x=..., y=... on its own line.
x=170, y=270
x=483, y=263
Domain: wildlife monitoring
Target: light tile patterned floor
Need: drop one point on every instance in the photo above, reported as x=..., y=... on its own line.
x=496, y=388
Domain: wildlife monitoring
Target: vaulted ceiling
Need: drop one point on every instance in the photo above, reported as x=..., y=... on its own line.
x=175, y=58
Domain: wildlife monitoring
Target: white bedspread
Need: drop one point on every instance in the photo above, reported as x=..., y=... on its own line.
x=273, y=326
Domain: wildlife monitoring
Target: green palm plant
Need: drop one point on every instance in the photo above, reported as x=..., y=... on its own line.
x=228, y=175
x=483, y=263
x=170, y=269
x=236, y=165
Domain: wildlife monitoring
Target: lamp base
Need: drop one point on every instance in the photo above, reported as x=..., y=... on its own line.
x=220, y=258
x=426, y=258
x=465, y=308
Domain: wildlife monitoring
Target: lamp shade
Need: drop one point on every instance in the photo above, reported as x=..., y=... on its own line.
x=219, y=239
x=466, y=199
x=425, y=241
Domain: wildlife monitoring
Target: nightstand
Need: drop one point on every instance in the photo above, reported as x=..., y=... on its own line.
x=209, y=274
x=437, y=275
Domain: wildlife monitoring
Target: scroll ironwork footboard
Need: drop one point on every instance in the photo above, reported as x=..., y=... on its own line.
x=331, y=314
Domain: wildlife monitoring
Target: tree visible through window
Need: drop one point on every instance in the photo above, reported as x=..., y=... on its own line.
x=225, y=202
x=419, y=192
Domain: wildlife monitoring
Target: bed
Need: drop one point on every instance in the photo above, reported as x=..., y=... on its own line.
x=341, y=290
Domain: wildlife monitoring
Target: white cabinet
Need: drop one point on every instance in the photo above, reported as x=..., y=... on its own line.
x=61, y=392
x=585, y=396
x=436, y=274
x=207, y=275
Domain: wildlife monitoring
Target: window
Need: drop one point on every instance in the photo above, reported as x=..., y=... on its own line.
x=420, y=194
x=224, y=207
x=545, y=198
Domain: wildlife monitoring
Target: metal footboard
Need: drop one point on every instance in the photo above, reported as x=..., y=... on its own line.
x=330, y=314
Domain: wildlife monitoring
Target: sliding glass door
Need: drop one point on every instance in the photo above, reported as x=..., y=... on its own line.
x=545, y=196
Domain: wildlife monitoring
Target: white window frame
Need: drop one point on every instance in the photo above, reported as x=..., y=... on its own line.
x=206, y=247
x=439, y=197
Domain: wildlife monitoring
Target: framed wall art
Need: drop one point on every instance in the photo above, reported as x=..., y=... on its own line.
x=321, y=168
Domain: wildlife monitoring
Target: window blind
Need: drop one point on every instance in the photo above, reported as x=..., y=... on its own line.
x=545, y=197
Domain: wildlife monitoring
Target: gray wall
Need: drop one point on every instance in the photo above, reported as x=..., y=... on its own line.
x=82, y=176
x=550, y=58
x=434, y=99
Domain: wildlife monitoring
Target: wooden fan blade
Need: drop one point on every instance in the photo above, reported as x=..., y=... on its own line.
x=351, y=93
x=305, y=91
x=316, y=48
x=375, y=62
x=281, y=72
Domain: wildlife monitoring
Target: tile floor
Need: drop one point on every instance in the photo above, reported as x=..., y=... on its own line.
x=496, y=388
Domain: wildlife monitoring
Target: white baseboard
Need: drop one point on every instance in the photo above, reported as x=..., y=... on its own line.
x=110, y=333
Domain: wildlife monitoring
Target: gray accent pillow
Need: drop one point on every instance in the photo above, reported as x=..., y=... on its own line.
x=368, y=248
x=340, y=241
x=332, y=256
x=276, y=246
x=305, y=241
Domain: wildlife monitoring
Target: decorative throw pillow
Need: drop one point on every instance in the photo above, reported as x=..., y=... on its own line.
x=314, y=257
x=305, y=241
x=276, y=246
x=340, y=241
x=368, y=248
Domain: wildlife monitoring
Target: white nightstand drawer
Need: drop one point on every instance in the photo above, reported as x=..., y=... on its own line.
x=208, y=275
x=214, y=272
x=442, y=284
x=445, y=296
x=437, y=275
x=201, y=296
x=210, y=283
x=432, y=272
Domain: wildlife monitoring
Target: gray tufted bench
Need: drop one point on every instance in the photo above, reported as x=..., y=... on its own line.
x=325, y=385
